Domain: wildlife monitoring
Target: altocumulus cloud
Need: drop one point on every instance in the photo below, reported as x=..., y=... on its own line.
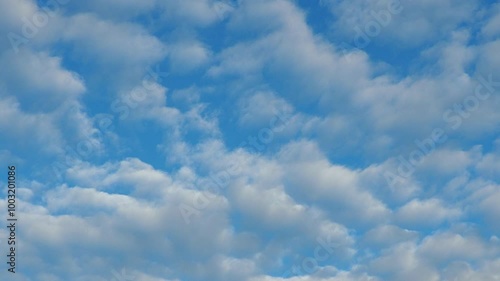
x=252, y=139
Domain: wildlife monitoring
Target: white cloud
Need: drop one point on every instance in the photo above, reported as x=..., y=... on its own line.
x=197, y=13
x=412, y=24
x=289, y=51
x=39, y=81
x=310, y=177
x=258, y=109
x=188, y=55
x=125, y=43
x=445, y=247
x=386, y=235
x=255, y=212
x=401, y=263
x=430, y=212
x=32, y=131
x=114, y=8
x=491, y=28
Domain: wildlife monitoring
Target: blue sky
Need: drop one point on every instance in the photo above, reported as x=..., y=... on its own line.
x=258, y=140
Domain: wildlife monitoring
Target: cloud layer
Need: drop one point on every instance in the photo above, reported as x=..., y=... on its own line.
x=264, y=140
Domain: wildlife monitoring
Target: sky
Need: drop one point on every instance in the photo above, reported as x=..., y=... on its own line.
x=253, y=140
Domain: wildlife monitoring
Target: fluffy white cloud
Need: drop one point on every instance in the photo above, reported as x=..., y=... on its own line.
x=184, y=202
x=39, y=81
x=258, y=109
x=403, y=22
x=188, y=55
x=310, y=177
x=197, y=13
x=431, y=212
x=113, y=9
x=125, y=44
x=288, y=50
x=34, y=130
x=492, y=28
